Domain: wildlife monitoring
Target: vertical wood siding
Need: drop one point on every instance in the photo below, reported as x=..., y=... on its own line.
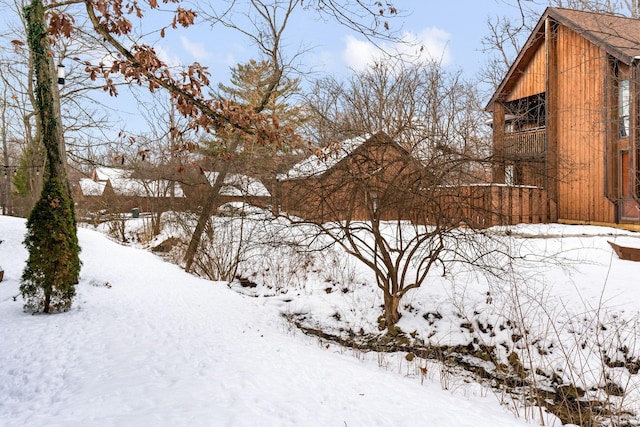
x=581, y=129
x=532, y=79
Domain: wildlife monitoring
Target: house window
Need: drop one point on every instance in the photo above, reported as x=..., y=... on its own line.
x=623, y=107
x=509, y=125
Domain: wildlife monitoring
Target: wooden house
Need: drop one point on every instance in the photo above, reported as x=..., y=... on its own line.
x=118, y=190
x=565, y=117
x=362, y=178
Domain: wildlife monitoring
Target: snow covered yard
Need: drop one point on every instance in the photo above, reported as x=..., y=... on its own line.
x=560, y=318
x=147, y=345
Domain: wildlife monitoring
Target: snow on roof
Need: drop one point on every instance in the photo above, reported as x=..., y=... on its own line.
x=90, y=187
x=142, y=188
x=237, y=185
x=106, y=174
x=330, y=156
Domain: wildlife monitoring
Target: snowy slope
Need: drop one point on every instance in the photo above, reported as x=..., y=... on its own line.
x=148, y=345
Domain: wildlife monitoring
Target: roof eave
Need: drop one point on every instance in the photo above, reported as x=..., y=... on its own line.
x=535, y=38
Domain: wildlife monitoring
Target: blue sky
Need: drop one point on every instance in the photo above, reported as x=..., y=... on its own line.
x=449, y=30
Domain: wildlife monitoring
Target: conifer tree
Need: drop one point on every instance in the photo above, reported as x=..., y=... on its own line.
x=251, y=84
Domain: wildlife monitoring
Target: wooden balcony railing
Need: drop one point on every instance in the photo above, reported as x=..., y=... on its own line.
x=527, y=143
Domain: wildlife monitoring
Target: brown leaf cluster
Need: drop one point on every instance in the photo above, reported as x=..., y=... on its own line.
x=60, y=24
x=139, y=64
x=184, y=17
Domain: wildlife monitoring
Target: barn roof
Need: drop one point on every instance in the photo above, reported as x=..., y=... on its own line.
x=123, y=185
x=618, y=35
x=328, y=157
x=325, y=159
x=105, y=173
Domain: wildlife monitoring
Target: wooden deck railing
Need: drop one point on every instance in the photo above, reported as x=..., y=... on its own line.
x=527, y=143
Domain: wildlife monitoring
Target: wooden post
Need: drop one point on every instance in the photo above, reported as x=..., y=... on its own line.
x=551, y=120
x=498, y=142
x=634, y=119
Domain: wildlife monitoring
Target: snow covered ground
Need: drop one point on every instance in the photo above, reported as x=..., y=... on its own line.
x=148, y=345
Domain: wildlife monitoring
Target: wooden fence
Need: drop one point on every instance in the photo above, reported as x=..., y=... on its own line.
x=486, y=205
x=478, y=205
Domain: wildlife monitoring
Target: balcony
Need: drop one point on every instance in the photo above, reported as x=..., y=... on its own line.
x=529, y=143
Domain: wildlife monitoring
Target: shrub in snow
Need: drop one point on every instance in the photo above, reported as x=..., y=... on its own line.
x=53, y=267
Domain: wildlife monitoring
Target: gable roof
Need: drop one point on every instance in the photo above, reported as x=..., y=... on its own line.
x=104, y=173
x=123, y=185
x=327, y=158
x=619, y=36
x=89, y=187
x=156, y=188
x=237, y=185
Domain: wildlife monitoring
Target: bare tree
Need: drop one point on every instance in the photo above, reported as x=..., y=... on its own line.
x=422, y=106
x=81, y=115
x=268, y=23
x=7, y=205
x=384, y=199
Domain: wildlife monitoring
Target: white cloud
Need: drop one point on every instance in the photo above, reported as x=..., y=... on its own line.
x=170, y=60
x=358, y=54
x=197, y=50
x=429, y=44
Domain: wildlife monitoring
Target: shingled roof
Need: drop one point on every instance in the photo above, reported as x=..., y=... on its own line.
x=619, y=36
x=329, y=157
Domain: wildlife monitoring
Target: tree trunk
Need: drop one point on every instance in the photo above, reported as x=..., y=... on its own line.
x=7, y=208
x=391, y=313
x=62, y=172
x=46, y=93
x=47, y=301
x=156, y=222
x=51, y=228
x=207, y=209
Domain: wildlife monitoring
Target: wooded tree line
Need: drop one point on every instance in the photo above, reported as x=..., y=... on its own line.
x=248, y=125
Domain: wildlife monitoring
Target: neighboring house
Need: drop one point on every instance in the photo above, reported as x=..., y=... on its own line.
x=359, y=179
x=117, y=190
x=236, y=189
x=374, y=177
x=89, y=195
x=565, y=117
